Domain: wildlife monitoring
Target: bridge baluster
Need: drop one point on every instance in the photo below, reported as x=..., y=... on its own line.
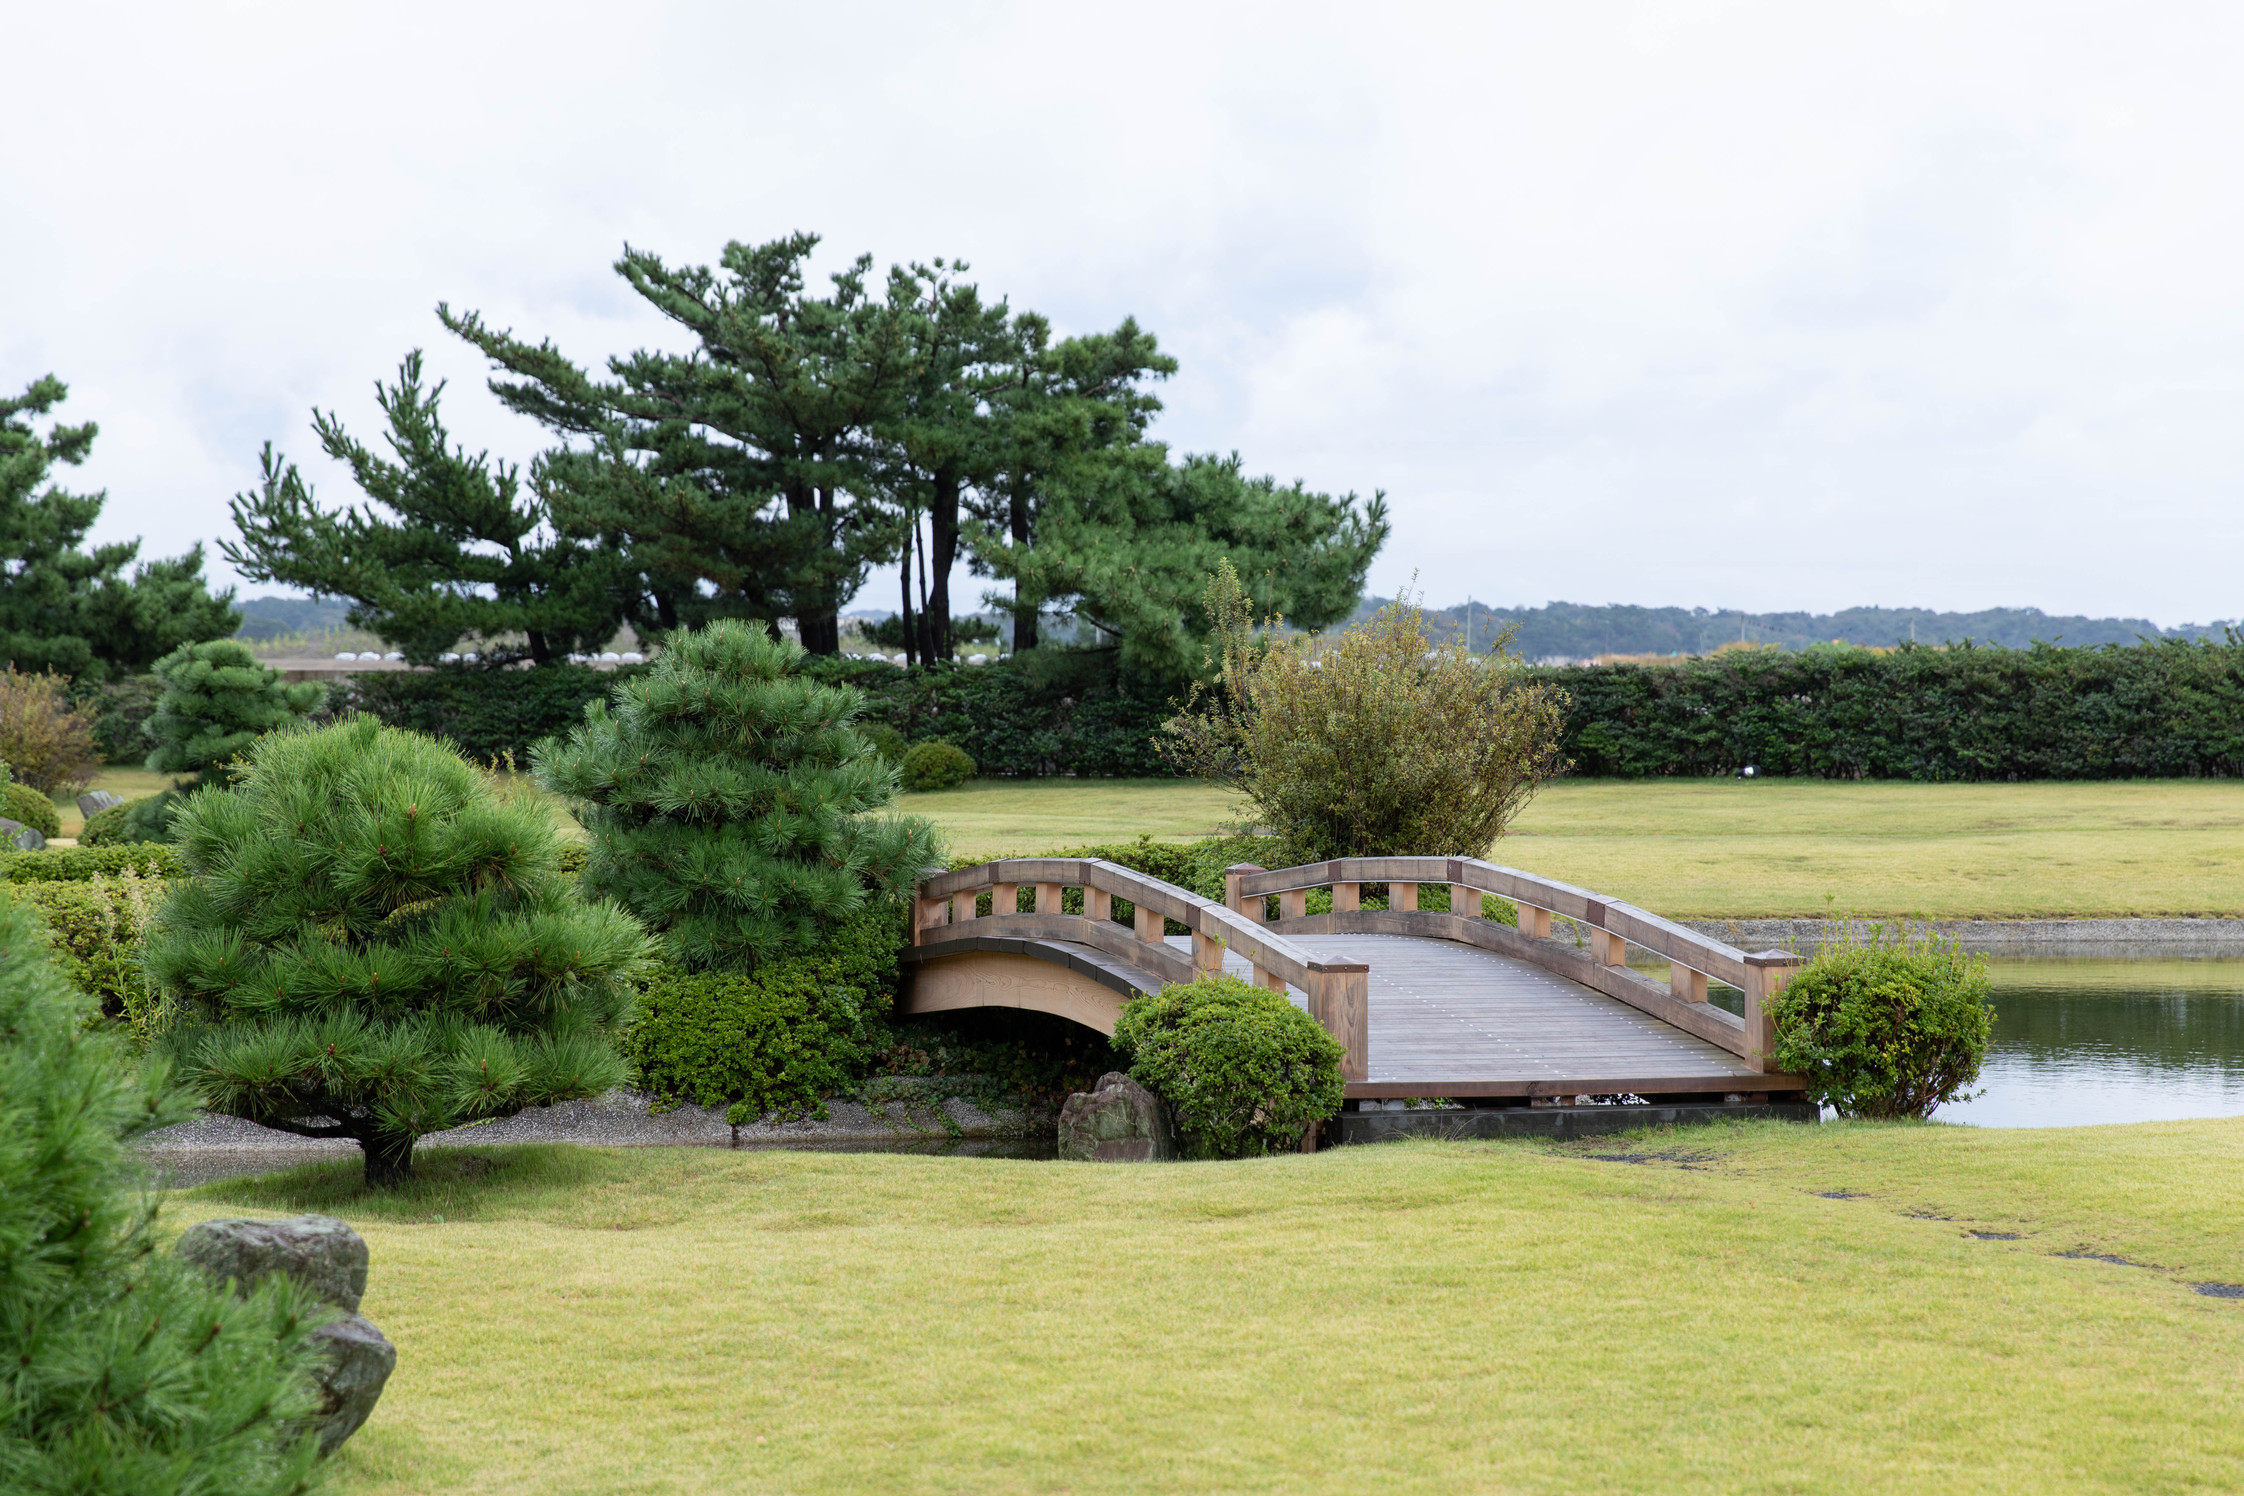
x=1402, y=898
x=1148, y=924
x=1207, y=955
x=1347, y=897
x=1005, y=898
x=1534, y=921
x=1685, y=983
x=1047, y=898
x=1464, y=901
x=1098, y=904
x=1608, y=949
x=1293, y=903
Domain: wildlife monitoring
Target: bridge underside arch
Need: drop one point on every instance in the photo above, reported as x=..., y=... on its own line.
x=1040, y=976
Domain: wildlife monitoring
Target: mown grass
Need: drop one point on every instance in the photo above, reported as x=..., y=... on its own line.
x=1765, y=848
x=1690, y=1313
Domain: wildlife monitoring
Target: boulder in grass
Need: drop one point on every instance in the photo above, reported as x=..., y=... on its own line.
x=23, y=838
x=1119, y=1121
x=329, y=1258
x=94, y=802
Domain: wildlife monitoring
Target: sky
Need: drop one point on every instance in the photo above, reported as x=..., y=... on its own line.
x=1765, y=306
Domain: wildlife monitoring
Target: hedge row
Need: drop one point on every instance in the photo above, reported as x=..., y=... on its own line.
x=2173, y=709
x=2158, y=710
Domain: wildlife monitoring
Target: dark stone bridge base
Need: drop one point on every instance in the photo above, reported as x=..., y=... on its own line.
x=1554, y=1121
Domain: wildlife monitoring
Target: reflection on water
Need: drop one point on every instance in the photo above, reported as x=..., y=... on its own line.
x=2111, y=1041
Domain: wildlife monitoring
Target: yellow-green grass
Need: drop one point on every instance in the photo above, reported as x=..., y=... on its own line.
x=989, y=817
x=128, y=781
x=1414, y=1317
x=1725, y=848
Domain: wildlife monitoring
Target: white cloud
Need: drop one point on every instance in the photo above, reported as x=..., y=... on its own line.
x=1760, y=305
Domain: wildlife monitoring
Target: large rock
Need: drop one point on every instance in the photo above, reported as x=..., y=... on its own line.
x=23, y=838
x=94, y=802
x=1120, y=1122
x=329, y=1258
x=320, y=1252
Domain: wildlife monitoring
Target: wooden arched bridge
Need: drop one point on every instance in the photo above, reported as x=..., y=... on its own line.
x=1426, y=1002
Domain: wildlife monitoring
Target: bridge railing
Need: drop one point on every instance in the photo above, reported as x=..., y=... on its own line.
x=1693, y=959
x=947, y=908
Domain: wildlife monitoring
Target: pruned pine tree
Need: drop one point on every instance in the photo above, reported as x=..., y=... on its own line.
x=374, y=946
x=218, y=698
x=448, y=548
x=730, y=801
x=123, y=1372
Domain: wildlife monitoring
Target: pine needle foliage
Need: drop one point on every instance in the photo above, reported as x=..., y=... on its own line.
x=218, y=698
x=122, y=1371
x=1370, y=745
x=729, y=801
x=374, y=946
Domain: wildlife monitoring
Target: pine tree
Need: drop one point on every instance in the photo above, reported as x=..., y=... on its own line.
x=123, y=1372
x=729, y=801
x=449, y=548
x=75, y=611
x=373, y=946
x=218, y=699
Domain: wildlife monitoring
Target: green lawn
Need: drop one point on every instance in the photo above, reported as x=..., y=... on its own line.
x=1414, y=1318
x=1716, y=848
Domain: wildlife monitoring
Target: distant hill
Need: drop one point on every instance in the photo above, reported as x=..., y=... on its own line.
x=1578, y=631
x=276, y=617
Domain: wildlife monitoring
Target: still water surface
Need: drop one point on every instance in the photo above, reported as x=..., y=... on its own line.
x=2086, y=1041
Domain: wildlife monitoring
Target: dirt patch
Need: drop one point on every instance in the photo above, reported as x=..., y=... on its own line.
x=2222, y=1290
x=1992, y=1235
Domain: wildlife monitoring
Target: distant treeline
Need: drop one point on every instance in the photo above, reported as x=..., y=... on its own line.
x=1575, y=631
x=2173, y=709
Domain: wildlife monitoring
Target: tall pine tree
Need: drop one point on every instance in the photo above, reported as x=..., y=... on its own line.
x=448, y=548
x=72, y=610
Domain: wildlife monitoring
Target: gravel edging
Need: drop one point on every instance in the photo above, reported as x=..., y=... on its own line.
x=621, y=1119
x=2124, y=938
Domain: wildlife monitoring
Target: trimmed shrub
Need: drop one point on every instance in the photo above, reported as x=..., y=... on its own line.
x=1245, y=1071
x=94, y=927
x=127, y=1370
x=2171, y=709
x=45, y=740
x=120, y=825
x=71, y=864
x=20, y=802
x=727, y=802
x=218, y=699
x=781, y=1039
x=886, y=740
x=1885, y=1030
x=373, y=945
x=1371, y=745
x=936, y=766
x=486, y=714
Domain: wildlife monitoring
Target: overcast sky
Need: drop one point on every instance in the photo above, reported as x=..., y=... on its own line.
x=1749, y=305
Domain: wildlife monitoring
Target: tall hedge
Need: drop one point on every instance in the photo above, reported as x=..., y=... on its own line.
x=486, y=714
x=2173, y=709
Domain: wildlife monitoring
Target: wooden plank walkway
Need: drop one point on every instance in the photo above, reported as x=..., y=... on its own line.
x=1453, y=1020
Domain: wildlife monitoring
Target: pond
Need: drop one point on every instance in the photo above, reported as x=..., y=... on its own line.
x=2087, y=1041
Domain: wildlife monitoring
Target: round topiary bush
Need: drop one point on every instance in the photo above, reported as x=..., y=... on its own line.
x=1245, y=1071
x=936, y=766
x=121, y=825
x=1885, y=1030
x=20, y=802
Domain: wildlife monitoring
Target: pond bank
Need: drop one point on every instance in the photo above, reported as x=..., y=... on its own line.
x=2105, y=937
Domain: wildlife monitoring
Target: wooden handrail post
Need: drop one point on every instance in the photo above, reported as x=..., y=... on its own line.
x=1235, y=901
x=1766, y=974
x=1402, y=898
x=1340, y=999
x=1207, y=955
x=1347, y=897
x=1048, y=898
x=1534, y=921
x=1608, y=949
x=1098, y=904
x=1686, y=983
x=1464, y=900
x=1005, y=898
x=1293, y=904
x=1148, y=925
x=928, y=914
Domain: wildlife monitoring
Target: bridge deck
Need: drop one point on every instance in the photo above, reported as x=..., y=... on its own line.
x=1452, y=1020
